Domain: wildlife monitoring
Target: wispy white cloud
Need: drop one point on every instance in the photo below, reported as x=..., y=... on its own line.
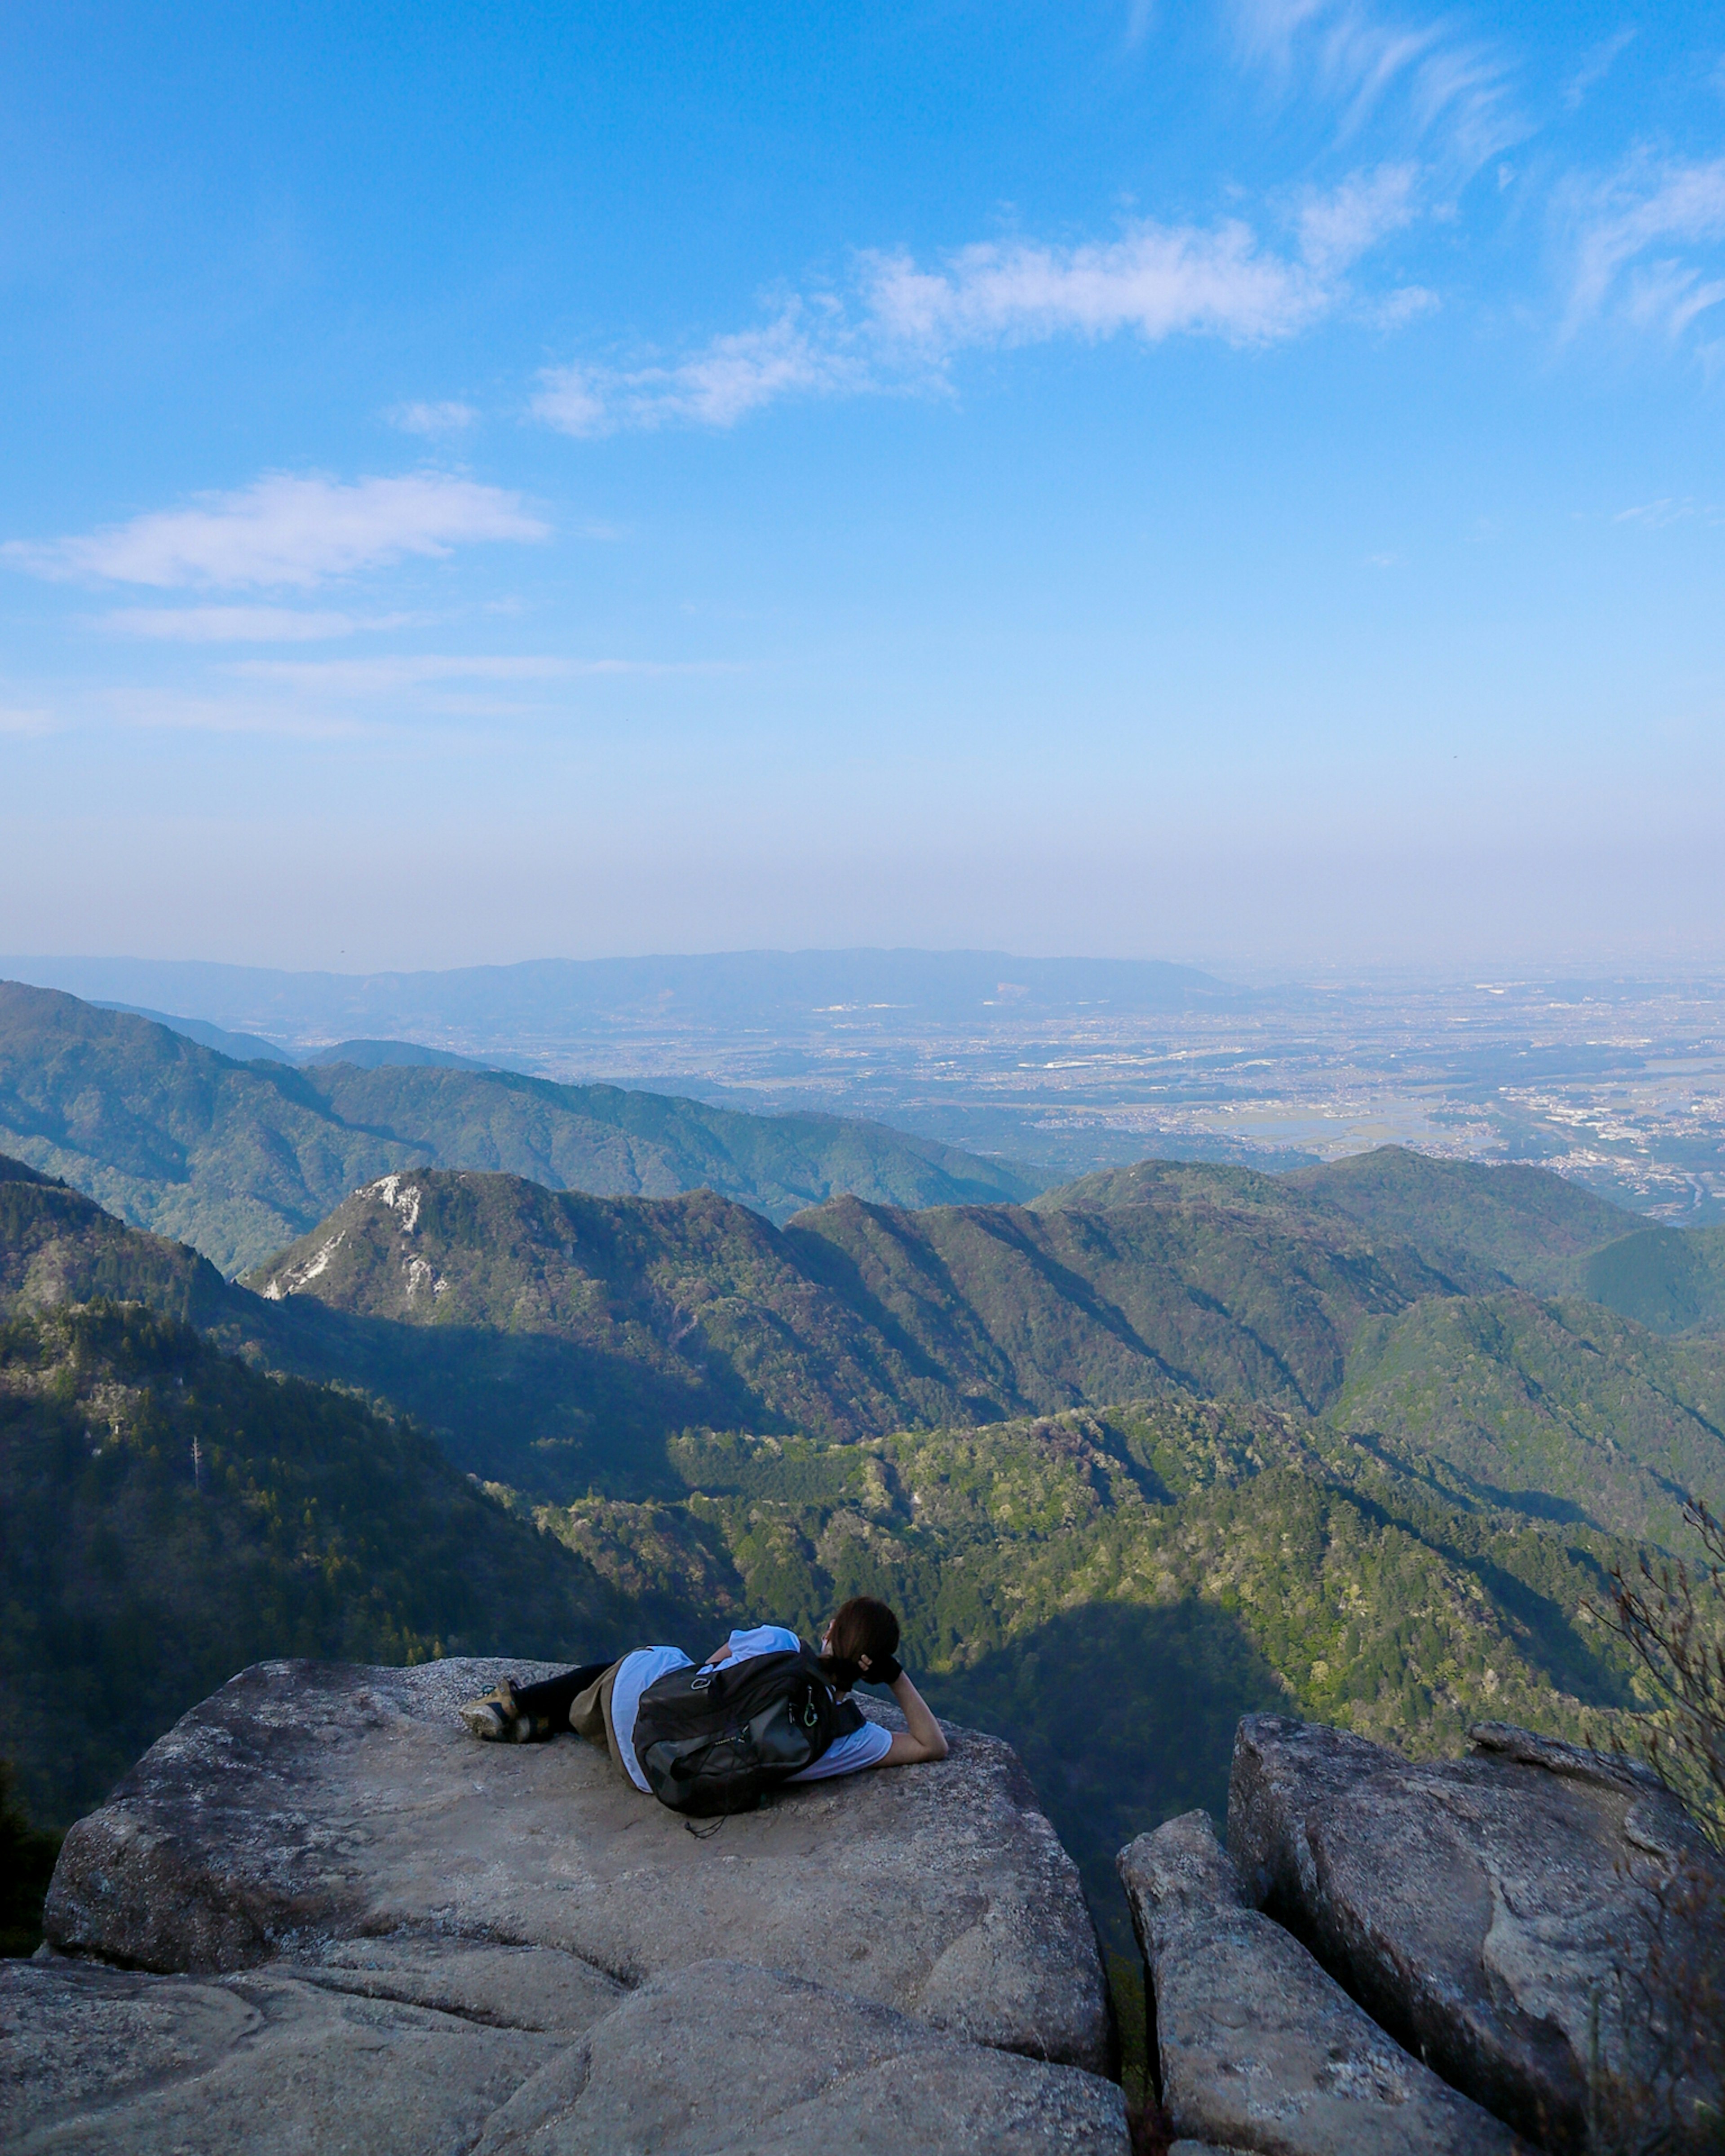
x=21, y=719
x=1337, y=228
x=286, y=530
x=173, y=711
x=1598, y=64
x=1406, y=303
x=1669, y=509
x=1359, y=58
x=446, y=418
x=389, y=676
x=1625, y=233
x=801, y=353
x=907, y=320
x=244, y=624
x=1157, y=281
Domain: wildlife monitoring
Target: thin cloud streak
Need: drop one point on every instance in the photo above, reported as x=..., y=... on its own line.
x=1594, y=68
x=285, y=530
x=240, y=624
x=909, y=321
x=433, y=419
x=1649, y=204
x=386, y=676
x=735, y=374
x=1357, y=59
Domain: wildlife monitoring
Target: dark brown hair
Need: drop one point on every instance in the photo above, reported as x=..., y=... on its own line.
x=860, y=1626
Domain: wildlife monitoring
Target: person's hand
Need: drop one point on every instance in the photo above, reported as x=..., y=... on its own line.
x=886, y=1671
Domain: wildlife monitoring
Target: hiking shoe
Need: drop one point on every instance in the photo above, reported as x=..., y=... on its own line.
x=497, y=1719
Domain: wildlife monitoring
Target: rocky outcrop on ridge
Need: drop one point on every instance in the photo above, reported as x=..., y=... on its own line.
x=1256, y=2040
x=1525, y=1947
x=1494, y=1912
x=318, y=1916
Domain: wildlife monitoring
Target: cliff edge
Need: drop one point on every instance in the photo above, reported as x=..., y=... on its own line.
x=318, y=1916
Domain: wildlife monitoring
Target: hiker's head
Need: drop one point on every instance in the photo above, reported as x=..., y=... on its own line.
x=862, y=1637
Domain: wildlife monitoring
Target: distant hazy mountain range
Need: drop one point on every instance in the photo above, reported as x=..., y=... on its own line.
x=561, y=998
x=239, y=1157
x=252, y=1048
x=553, y=1339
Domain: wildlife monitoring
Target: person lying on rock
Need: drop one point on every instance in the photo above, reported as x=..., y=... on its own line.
x=761, y=1709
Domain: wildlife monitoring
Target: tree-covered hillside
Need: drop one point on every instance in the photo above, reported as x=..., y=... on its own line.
x=168, y=1515
x=1408, y=1526
x=1671, y=1280
x=57, y=1245
x=239, y=1158
x=1111, y=1589
x=554, y=1340
x=1564, y=1410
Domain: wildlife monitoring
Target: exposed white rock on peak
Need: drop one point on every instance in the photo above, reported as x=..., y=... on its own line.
x=291, y=1281
x=406, y=1202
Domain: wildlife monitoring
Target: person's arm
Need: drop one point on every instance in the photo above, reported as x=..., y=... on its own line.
x=718, y=1654
x=922, y=1738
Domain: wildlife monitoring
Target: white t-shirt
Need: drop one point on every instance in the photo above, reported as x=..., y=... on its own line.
x=845, y=1755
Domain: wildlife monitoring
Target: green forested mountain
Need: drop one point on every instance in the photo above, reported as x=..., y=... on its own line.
x=1111, y=1589
x=239, y=1158
x=57, y=1246
x=1532, y=1228
x=168, y=1515
x=1396, y=1510
x=553, y=1338
x=607, y=1320
x=1671, y=1279
x=1564, y=1409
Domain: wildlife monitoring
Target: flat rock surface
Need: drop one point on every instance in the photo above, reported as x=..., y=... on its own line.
x=724, y=2059
x=1259, y=2049
x=1477, y=1906
x=717, y=2060
x=100, y=2060
x=307, y=1807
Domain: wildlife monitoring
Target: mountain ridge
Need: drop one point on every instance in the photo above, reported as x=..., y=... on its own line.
x=239, y=1158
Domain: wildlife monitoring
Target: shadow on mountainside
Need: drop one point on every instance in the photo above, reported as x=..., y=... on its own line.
x=1125, y=1717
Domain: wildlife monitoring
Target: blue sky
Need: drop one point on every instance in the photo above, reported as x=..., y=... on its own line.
x=1237, y=483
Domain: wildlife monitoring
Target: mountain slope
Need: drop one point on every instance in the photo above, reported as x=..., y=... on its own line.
x=1671, y=1279
x=553, y=1341
x=167, y=1515
x=57, y=1245
x=629, y=1317
x=1533, y=1229
x=1533, y=1226
x=1563, y=1410
x=239, y=1158
x=1112, y=1589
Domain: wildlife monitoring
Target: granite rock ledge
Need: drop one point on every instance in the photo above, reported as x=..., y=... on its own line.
x=317, y=1916
x=1454, y=1956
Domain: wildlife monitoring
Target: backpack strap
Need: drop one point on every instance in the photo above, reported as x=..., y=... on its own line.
x=848, y=1717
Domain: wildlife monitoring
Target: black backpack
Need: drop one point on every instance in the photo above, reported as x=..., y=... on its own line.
x=718, y=1740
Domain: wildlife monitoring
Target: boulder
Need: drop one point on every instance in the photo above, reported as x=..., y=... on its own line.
x=305, y=1803
x=1502, y=1915
x=339, y=1922
x=1259, y=2048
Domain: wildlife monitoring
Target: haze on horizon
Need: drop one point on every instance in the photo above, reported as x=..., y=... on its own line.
x=1238, y=485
